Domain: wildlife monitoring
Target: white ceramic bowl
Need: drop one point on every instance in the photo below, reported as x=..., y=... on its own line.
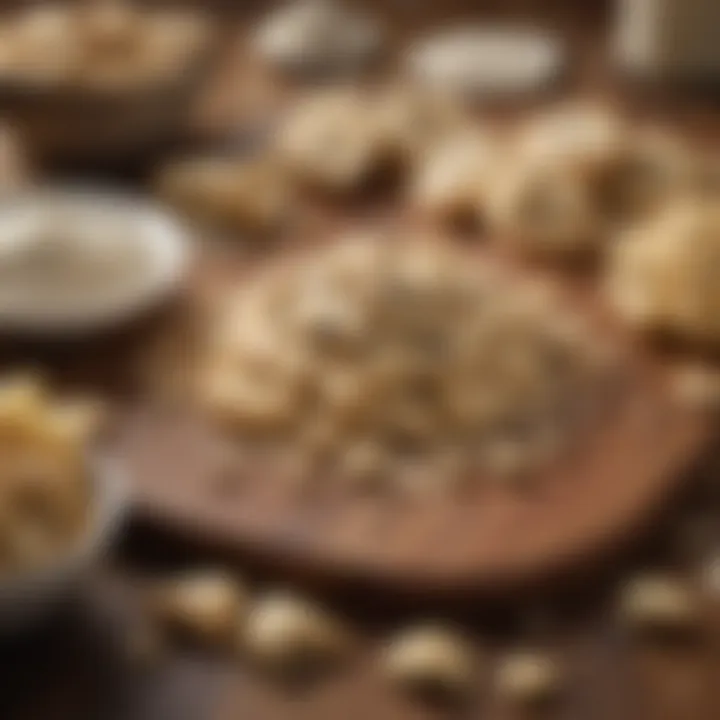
x=165, y=245
x=27, y=598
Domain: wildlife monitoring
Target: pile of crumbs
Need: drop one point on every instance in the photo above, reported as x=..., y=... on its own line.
x=402, y=363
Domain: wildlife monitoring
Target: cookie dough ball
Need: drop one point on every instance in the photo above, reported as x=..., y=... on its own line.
x=480, y=61
x=332, y=141
x=544, y=211
x=452, y=180
x=528, y=678
x=246, y=195
x=665, y=273
x=659, y=603
x=289, y=633
x=430, y=659
x=205, y=605
x=318, y=37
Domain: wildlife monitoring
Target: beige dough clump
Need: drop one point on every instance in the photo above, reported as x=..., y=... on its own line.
x=205, y=605
x=430, y=658
x=45, y=488
x=286, y=632
x=414, y=121
x=453, y=179
x=665, y=273
x=331, y=140
x=246, y=195
x=544, y=210
x=579, y=171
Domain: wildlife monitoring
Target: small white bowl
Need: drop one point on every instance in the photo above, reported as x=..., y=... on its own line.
x=165, y=241
x=27, y=598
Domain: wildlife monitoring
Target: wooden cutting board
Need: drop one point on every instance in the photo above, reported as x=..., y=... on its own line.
x=189, y=478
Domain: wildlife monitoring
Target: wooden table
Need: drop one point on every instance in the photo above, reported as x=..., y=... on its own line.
x=76, y=668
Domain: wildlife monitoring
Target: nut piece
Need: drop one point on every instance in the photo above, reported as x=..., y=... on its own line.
x=430, y=659
x=286, y=632
x=528, y=678
x=206, y=606
x=659, y=603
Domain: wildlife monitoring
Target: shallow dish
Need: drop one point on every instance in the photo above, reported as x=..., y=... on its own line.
x=167, y=258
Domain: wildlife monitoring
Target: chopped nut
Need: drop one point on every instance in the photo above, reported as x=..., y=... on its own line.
x=659, y=603
x=206, y=606
x=430, y=659
x=528, y=678
x=287, y=632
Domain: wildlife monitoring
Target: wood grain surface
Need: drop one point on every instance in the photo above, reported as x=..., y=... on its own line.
x=638, y=446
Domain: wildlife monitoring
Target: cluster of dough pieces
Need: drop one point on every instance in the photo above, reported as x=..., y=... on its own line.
x=104, y=45
x=292, y=636
x=379, y=360
x=576, y=181
x=45, y=489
